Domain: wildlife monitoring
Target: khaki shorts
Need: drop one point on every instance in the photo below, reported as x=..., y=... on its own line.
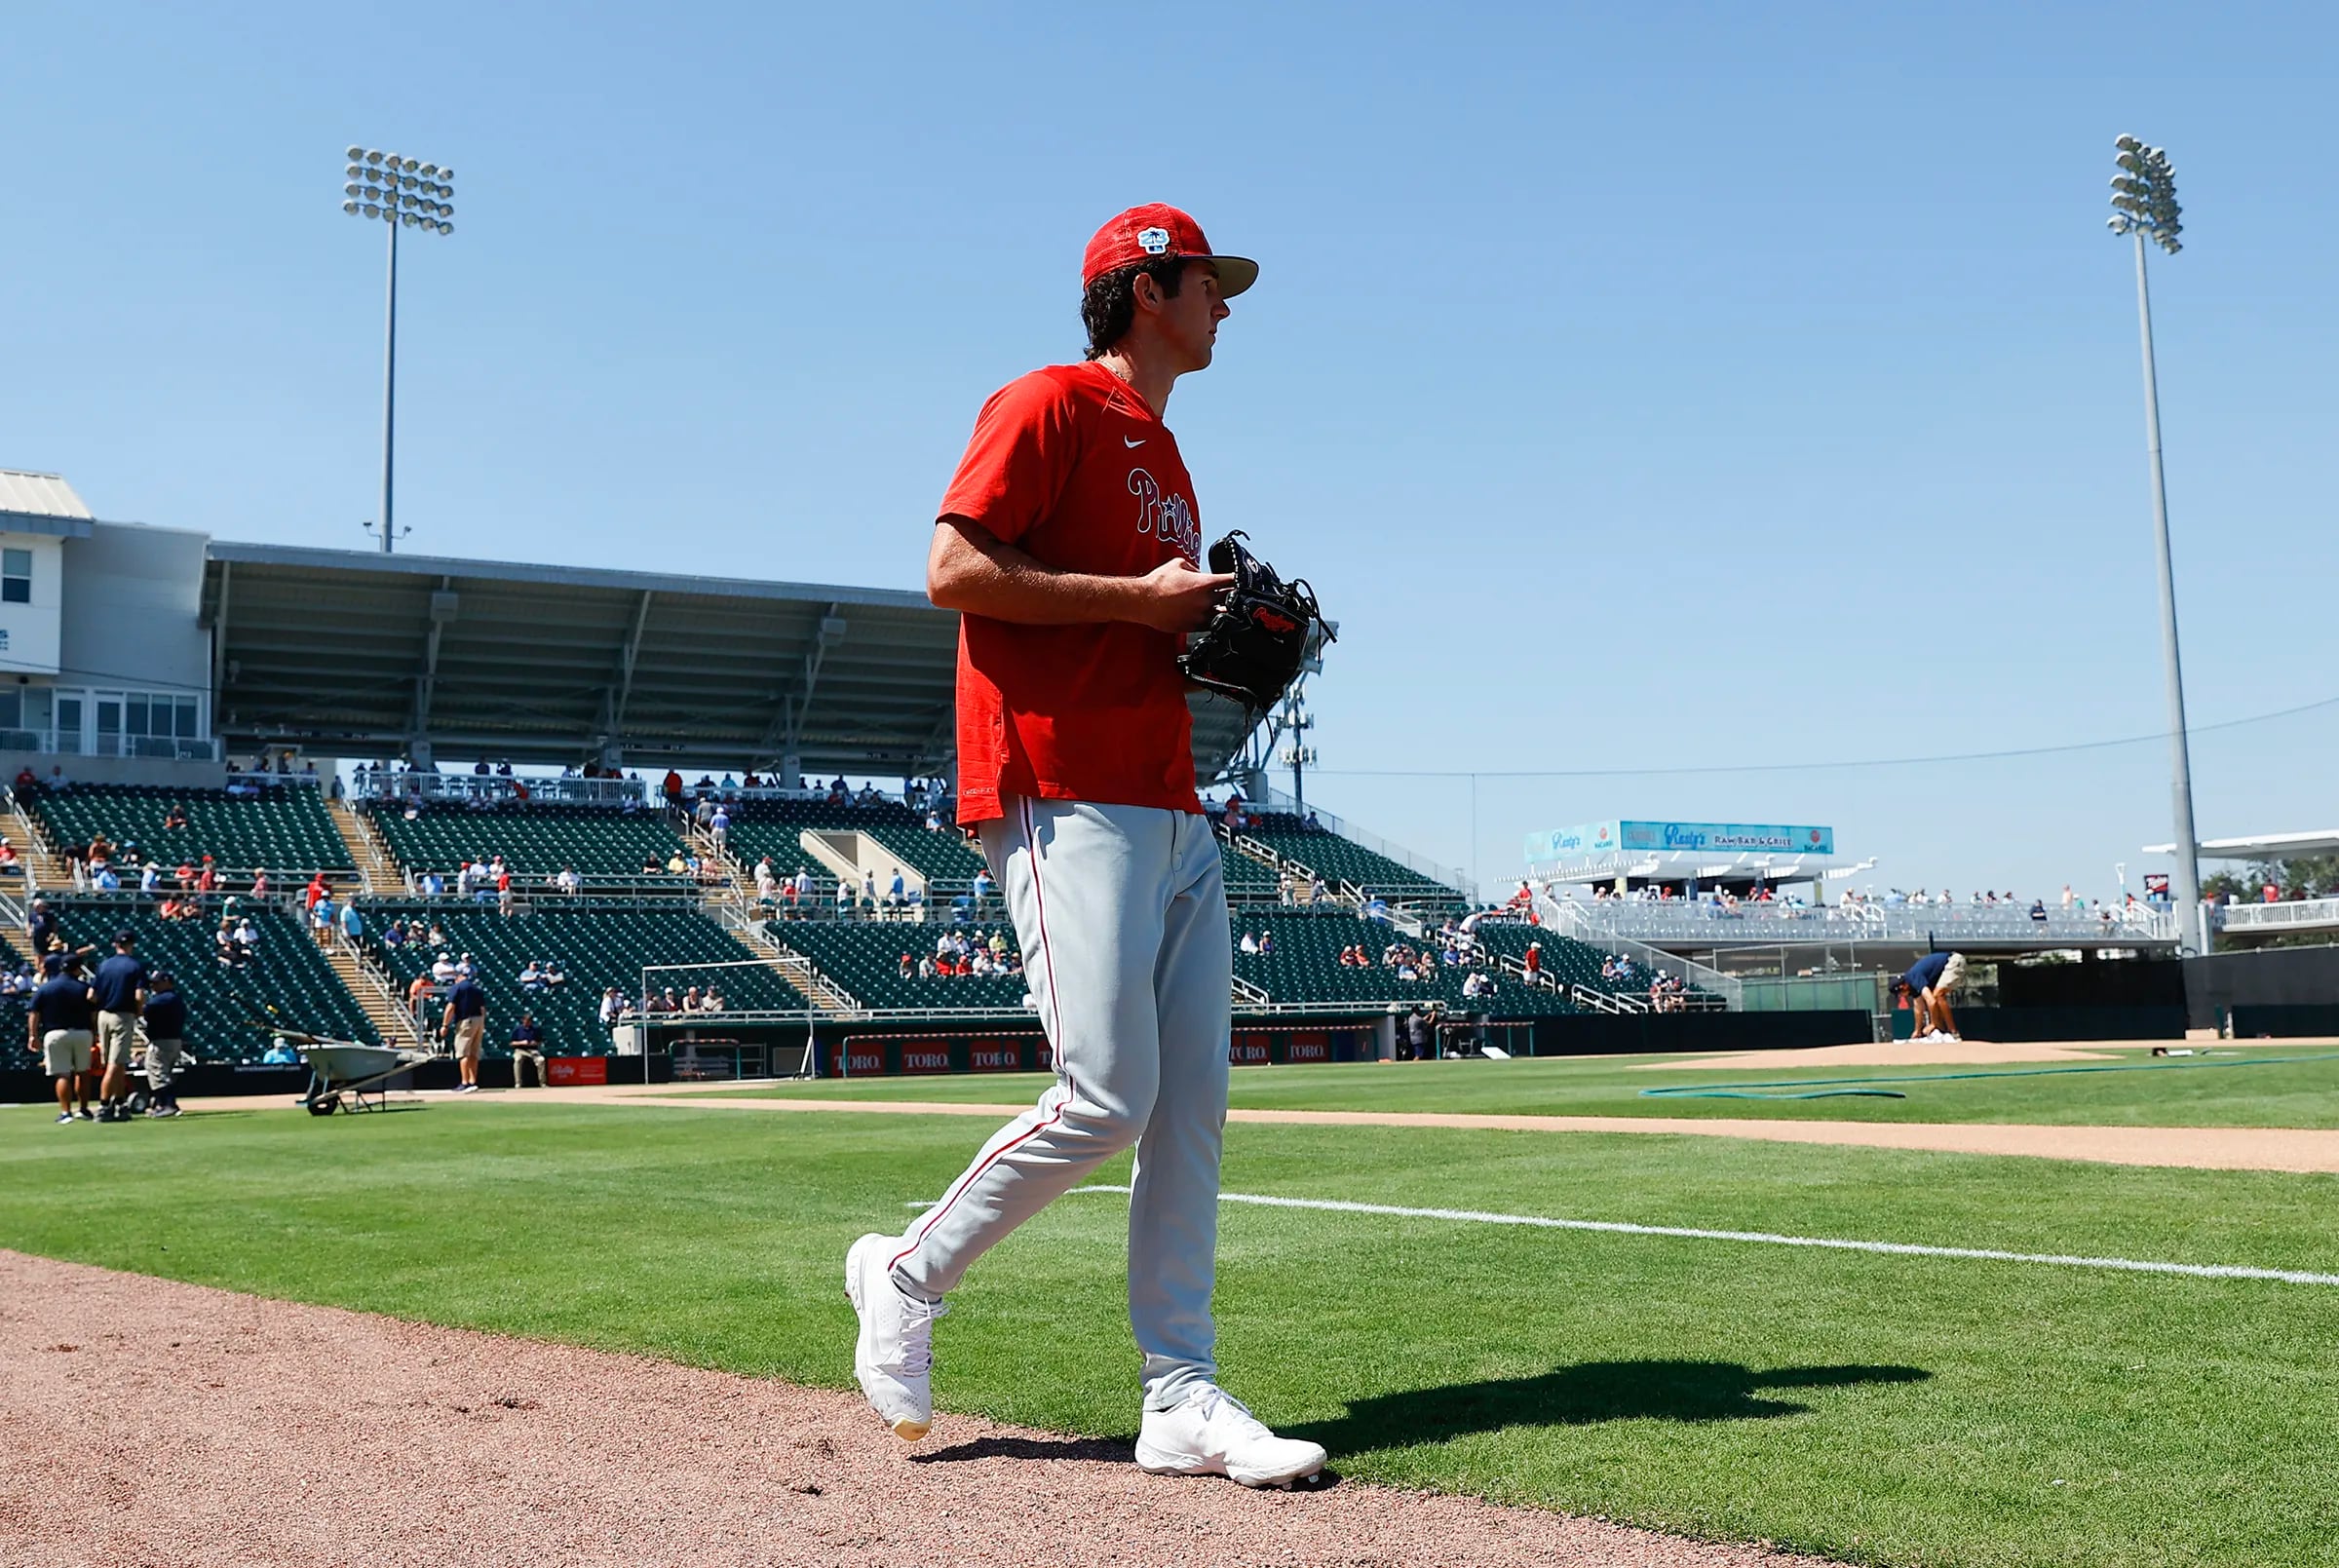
x=161, y=1060
x=1953, y=975
x=117, y=1033
x=66, y=1050
x=469, y=1032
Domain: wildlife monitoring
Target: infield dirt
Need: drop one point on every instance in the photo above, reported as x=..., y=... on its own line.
x=145, y=1422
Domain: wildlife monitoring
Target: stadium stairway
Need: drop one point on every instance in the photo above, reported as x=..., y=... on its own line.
x=42, y=869
x=376, y=993
x=801, y=972
x=377, y=867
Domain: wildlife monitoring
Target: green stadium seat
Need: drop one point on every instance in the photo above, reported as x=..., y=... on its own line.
x=283, y=829
x=1339, y=861
x=594, y=945
x=536, y=841
x=865, y=960
x=1305, y=967
x=288, y=985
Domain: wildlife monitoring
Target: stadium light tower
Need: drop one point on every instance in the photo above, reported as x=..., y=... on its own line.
x=2144, y=207
x=401, y=193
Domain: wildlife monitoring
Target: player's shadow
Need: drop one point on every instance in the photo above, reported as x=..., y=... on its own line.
x=1096, y=1451
x=1585, y=1393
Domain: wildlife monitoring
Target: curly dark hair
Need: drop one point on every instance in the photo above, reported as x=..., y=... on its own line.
x=1109, y=304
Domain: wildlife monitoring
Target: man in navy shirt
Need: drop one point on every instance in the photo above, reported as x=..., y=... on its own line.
x=166, y=1018
x=57, y=1024
x=527, y=1051
x=1929, y=983
x=120, y=990
x=465, y=1026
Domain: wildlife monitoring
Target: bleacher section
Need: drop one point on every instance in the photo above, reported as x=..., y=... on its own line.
x=1248, y=880
x=1339, y=860
x=286, y=973
x=283, y=829
x=1305, y=967
x=865, y=960
x=595, y=946
x=535, y=841
x=1565, y=959
x=776, y=828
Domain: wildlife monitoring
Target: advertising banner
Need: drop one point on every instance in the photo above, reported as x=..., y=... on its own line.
x=560, y=1071
x=1664, y=838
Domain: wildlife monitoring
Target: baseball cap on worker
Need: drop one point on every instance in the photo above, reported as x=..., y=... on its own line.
x=1151, y=232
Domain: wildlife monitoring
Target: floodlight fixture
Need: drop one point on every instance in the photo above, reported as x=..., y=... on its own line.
x=2144, y=206
x=396, y=191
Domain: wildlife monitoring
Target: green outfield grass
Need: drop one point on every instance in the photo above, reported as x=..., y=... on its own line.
x=2291, y=1090
x=1882, y=1409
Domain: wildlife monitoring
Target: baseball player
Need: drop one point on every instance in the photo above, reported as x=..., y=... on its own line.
x=1069, y=542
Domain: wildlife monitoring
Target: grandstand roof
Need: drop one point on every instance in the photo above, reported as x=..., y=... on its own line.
x=2263, y=847
x=356, y=653
x=41, y=503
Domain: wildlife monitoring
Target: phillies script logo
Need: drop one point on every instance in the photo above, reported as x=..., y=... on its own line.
x=1167, y=516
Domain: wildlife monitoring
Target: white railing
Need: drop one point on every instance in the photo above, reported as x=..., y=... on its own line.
x=487, y=789
x=1450, y=876
x=1569, y=918
x=171, y=748
x=1770, y=924
x=2294, y=914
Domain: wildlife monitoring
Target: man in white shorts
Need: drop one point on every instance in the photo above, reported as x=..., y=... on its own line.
x=62, y=1025
x=1070, y=543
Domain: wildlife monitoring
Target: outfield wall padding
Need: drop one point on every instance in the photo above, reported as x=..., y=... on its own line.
x=2031, y=1024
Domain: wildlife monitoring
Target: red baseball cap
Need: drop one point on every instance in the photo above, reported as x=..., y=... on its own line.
x=1155, y=230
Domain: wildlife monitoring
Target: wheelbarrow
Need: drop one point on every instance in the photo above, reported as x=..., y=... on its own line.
x=345, y=1075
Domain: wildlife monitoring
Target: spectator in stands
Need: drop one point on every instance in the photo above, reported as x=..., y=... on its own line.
x=248, y=935
x=321, y=919
x=1479, y=985
x=10, y=865
x=767, y=885
x=1249, y=943
x=532, y=978
x=353, y=928
x=718, y=829
x=927, y=968
x=1287, y=887
x=666, y=1002
x=1533, y=962
x=527, y=1051
x=150, y=877
x=909, y=967
x=613, y=1005
x=2038, y=911
x=869, y=888
x=437, y=933
x=503, y=891
x=394, y=935
x=280, y=1053
x=176, y=816
x=442, y=968
x=1266, y=945
x=60, y=1027
x=315, y=890
x=1419, y=1040
x=984, y=886
x=40, y=928
x=569, y=882
x=897, y=892
x=57, y=782
x=690, y=1000
x=28, y=782
x=465, y=1026
x=711, y=1001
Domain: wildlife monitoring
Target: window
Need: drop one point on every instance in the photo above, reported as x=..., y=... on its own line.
x=16, y=577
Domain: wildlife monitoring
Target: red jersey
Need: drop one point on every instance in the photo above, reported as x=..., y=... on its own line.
x=1070, y=466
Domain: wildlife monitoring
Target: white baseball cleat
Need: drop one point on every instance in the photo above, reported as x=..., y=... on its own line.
x=1212, y=1434
x=894, y=1352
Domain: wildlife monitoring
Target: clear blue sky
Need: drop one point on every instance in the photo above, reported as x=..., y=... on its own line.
x=1639, y=389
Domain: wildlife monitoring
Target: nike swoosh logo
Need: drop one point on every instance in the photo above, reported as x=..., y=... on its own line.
x=1126, y=442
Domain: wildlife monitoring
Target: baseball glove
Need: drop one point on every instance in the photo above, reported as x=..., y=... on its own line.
x=1252, y=647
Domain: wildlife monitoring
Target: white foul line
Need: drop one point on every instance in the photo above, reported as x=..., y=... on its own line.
x=2199, y=1270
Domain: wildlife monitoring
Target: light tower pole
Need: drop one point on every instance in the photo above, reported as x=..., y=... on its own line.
x=2144, y=207
x=404, y=193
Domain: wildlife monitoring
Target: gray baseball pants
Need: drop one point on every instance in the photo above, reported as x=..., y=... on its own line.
x=1120, y=914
